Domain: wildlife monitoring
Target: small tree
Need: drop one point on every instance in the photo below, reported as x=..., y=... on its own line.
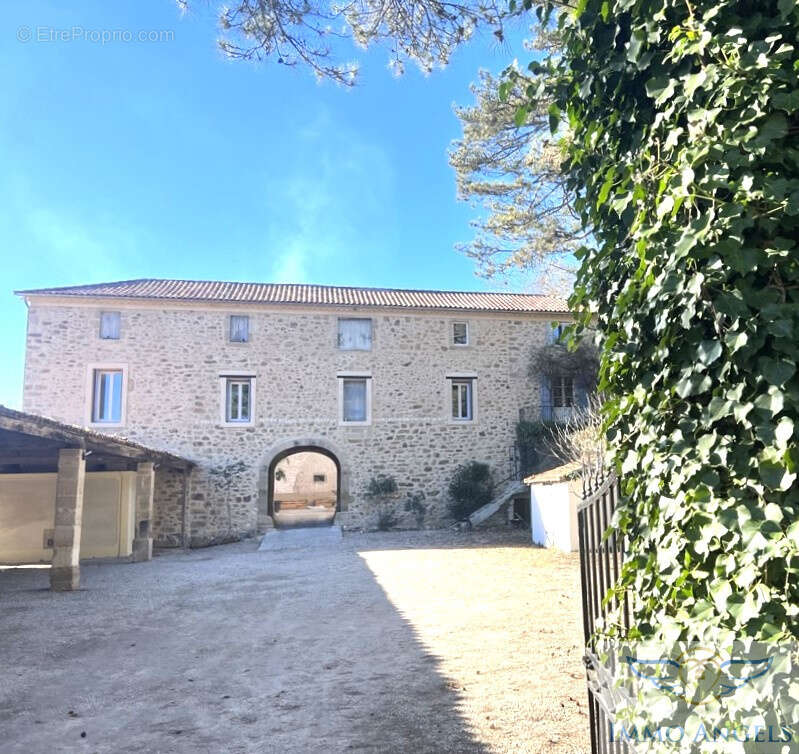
x=224, y=478
x=382, y=488
x=472, y=487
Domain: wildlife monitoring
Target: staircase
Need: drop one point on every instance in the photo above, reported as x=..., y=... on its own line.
x=511, y=489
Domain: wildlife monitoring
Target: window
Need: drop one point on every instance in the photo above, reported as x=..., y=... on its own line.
x=462, y=400
x=319, y=478
x=355, y=398
x=460, y=333
x=109, y=325
x=562, y=391
x=239, y=328
x=107, y=396
x=556, y=333
x=238, y=400
x=355, y=334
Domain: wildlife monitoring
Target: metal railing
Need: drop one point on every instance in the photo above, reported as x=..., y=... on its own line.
x=551, y=413
x=601, y=557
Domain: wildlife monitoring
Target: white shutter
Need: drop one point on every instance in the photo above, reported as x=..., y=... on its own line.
x=239, y=329
x=355, y=334
x=109, y=325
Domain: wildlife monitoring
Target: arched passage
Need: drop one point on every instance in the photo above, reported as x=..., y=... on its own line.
x=304, y=486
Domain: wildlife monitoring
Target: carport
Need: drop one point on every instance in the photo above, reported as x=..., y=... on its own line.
x=35, y=445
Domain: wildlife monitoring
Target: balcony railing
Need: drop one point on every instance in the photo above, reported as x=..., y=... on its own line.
x=558, y=414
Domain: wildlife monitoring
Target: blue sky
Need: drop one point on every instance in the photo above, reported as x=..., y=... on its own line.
x=162, y=159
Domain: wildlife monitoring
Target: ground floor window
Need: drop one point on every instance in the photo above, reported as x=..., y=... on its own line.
x=107, y=396
x=355, y=398
x=238, y=400
x=462, y=399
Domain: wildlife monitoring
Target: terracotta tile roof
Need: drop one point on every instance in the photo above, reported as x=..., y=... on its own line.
x=558, y=474
x=323, y=295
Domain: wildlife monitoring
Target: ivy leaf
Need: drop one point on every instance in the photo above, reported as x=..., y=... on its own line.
x=775, y=476
x=709, y=351
x=784, y=432
x=776, y=372
x=775, y=127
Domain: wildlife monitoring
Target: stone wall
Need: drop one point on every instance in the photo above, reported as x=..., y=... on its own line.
x=168, y=508
x=173, y=355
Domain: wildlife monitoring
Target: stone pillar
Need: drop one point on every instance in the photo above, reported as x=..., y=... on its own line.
x=65, y=570
x=143, y=519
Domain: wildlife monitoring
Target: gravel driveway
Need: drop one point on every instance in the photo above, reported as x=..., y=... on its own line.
x=397, y=642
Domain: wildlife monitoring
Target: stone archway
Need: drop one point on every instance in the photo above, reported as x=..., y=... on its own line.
x=292, y=461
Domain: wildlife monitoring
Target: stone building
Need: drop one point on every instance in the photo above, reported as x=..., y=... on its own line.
x=238, y=377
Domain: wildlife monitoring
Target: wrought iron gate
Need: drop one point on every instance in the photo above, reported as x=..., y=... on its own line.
x=600, y=565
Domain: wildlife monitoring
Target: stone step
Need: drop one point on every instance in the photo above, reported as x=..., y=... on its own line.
x=506, y=494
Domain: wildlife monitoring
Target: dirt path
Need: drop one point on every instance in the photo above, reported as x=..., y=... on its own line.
x=423, y=642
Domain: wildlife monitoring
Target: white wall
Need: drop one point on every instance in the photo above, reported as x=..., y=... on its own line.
x=553, y=516
x=27, y=510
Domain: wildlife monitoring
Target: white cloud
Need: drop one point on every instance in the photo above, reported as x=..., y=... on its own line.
x=337, y=204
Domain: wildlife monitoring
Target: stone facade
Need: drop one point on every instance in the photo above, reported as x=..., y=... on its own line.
x=175, y=356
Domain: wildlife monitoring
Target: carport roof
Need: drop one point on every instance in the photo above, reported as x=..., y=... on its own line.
x=71, y=436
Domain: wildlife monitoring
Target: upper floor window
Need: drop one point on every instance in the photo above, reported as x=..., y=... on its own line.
x=238, y=400
x=109, y=325
x=239, y=328
x=354, y=334
x=562, y=391
x=557, y=331
x=462, y=399
x=355, y=400
x=460, y=333
x=107, y=396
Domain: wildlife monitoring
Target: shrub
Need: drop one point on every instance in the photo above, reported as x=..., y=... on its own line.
x=386, y=519
x=381, y=485
x=414, y=505
x=472, y=487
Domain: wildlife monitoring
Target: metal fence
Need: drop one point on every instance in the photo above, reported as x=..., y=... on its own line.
x=601, y=555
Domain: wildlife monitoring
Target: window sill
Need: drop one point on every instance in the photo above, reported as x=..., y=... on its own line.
x=105, y=425
x=355, y=424
x=241, y=425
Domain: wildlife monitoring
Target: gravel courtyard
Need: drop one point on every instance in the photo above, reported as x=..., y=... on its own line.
x=396, y=642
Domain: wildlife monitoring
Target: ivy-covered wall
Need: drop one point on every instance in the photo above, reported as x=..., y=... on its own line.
x=680, y=126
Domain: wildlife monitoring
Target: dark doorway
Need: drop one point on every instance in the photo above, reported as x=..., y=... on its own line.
x=304, y=487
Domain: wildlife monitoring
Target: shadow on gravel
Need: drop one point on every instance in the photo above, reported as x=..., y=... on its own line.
x=243, y=651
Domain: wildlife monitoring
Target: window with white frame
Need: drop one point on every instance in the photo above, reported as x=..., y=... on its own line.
x=460, y=333
x=239, y=328
x=355, y=399
x=109, y=325
x=462, y=399
x=238, y=400
x=107, y=385
x=354, y=334
x=562, y=391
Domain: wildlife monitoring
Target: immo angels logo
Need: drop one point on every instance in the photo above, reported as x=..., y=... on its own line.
x=700, y=675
